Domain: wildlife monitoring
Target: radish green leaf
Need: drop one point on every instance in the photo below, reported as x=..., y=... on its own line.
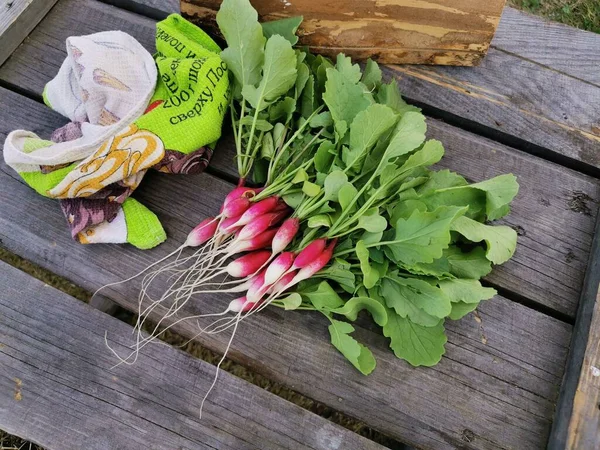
x=356, y=304
x=278, y=73
x=244, y=55
x=501, y=240
x=284, y=27
x=359, y=355
x=464, y=290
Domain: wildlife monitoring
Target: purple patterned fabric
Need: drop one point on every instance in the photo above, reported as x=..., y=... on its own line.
x=177, y=162
x=103, y=206
x=69, y=132
x=83, y=213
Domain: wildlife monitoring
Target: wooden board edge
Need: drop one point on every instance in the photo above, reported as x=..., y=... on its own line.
x=23, y=24
x=560, y=434
x=205, y=18
x=406, y=55
x=155, y=9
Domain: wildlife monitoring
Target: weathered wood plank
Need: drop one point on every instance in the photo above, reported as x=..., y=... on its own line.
x=549, y=264
x=538, y=84
x=495, y=388
x=577, y=418
x=17, y=19
x=516, y=97
x=392, y=31
x=560, y=47
x=38, y=61
x=584, y=427
x=58, y=387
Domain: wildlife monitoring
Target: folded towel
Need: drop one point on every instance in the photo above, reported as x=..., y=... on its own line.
x=129, y=112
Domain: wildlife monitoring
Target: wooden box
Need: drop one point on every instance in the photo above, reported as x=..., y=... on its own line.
x=449, y=32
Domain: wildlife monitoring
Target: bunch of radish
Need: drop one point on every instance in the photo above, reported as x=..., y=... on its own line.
x=264, y=229
x=338, y=209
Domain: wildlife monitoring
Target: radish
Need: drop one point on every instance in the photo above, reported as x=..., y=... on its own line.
x=229, y=225
x=310, y=253
x=258, y=225
x=263, y=240
x=283, y=282
x=236, y=208
x=202, y=232
x=285, y=234
x=314, y=266
x=240, y=192
x=278, y=267
x=282, y=206
x=242, y=304
x=258, y=209
x=256, y=287
x=248, y=264
x=278, y=217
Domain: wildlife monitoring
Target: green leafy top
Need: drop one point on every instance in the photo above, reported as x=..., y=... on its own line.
x=351, y=158
x=284, y=27
x=238, y=21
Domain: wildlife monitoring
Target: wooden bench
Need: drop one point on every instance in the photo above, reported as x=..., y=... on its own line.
x=531, y=108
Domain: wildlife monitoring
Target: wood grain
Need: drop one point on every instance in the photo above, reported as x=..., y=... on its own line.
x=495, y=388
x=537, y=88
x=389, y=31
x=541, y=110
x=584, y=429
x=577, y=417
x=59, y=389
x=528, y=99
x=555, y=218
x=17, y=19
x=551, y=44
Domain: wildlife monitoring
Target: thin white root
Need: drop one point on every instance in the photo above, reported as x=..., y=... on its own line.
x=177, y=250
x=152, y=337
x=237, y=321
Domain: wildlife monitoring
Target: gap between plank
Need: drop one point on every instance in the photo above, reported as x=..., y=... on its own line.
x=509, y=140
x=500, y=49
x=196, y=350
x=454, y=120
x=522, y=300
x=138, y=8
x=24, y=92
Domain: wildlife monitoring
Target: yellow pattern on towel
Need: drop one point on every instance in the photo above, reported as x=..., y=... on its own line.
x=120, y=157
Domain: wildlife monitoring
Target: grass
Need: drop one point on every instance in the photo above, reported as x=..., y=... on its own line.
x=8, y=442
x=584, y=14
